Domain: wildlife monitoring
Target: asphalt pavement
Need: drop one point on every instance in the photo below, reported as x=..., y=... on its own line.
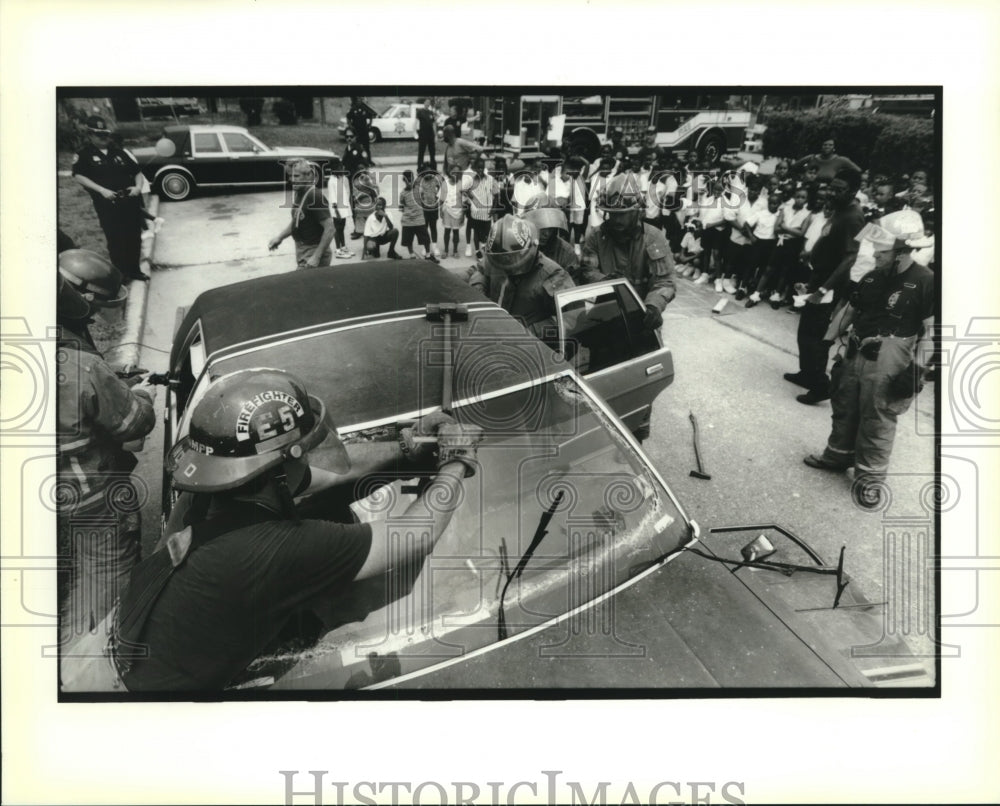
x=728, y=372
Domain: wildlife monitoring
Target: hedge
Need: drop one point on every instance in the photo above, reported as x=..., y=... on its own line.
x=889, y=144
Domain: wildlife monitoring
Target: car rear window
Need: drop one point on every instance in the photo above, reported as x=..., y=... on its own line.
x=390, y=369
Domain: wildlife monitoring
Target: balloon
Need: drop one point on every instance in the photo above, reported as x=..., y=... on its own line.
x=165, y=147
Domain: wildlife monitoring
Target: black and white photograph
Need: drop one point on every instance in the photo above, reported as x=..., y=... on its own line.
x=543, y=413
x=397, y=415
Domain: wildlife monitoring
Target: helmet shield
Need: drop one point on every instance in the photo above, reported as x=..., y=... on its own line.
x=548, y=218
x=248, y=422
x=96, y=279
x=70, y=303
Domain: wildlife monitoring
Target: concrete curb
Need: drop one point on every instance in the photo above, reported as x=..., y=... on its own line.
x=125, y=354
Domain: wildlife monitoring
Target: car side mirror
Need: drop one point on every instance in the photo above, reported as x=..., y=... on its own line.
x=757, y=549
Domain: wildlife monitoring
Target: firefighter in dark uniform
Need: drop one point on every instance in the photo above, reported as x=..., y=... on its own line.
x=550, y=221
x=889, y=347
x=114, y=182
x=357, y=158
x=97, y=413
x=624, y=246
x=519, y=278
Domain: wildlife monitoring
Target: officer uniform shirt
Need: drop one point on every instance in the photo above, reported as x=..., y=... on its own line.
x=896, y=304
x=425, y=123
x=113, y=169
x=360, y=121
x=356, y=158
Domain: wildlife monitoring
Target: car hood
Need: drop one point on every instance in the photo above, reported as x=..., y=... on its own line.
x=689, y=623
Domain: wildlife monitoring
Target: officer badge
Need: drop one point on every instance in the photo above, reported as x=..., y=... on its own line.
x=891, y=303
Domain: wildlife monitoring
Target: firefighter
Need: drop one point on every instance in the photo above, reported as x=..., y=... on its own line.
x=97, y=413
x=889, y=346
x=624, y=246
x=221, y=589
x=550, y=221
x=517, y=276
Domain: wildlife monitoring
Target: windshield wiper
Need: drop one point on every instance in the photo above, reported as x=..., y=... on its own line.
x=540, y=532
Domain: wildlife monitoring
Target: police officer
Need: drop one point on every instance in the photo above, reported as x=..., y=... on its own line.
x=624, y=246
x=889, y=347
x=357, y=159
x=97, y=414
x=221, y=590
x=113, y=179
x=360, y=120
x=553, y=231
x=517, y=276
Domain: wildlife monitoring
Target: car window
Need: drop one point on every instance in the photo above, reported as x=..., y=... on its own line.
x=605, y=328
x=207, y=143
x=373, y=374
x=238, y=142
x=403, y=112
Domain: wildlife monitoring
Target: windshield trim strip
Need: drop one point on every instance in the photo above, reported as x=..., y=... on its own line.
x=695, y=534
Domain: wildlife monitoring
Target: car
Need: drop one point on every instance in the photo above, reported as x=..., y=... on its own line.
x=570, y=564
x=188, y=157
x=397, y=121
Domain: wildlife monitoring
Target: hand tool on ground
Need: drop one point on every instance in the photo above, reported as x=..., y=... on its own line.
x=700, y=472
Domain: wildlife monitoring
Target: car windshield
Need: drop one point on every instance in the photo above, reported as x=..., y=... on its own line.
x=614, y=518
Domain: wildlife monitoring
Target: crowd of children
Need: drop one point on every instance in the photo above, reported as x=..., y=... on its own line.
x=729, y=226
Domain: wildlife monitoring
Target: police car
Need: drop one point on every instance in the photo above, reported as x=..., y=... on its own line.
x=397, y=121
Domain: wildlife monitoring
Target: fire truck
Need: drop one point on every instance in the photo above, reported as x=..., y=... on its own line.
x=711, y=124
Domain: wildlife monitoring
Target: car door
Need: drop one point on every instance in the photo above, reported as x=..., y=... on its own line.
x=248, y=161
x=209, y=162
x=600, y=331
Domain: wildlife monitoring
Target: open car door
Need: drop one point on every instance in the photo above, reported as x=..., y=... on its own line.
x=600, y=331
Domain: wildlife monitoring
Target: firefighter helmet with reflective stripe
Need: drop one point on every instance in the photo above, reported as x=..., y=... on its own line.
x=95, y=279
x=512, y=246
x=249, y=422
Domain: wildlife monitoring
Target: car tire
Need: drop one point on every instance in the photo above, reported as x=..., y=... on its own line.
x=175, y=185
x=376, y=134
x=712, y=147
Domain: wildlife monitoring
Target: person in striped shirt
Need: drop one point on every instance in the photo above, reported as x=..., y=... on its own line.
x=483, y=202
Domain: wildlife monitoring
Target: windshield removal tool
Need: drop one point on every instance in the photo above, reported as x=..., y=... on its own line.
x=700, y=472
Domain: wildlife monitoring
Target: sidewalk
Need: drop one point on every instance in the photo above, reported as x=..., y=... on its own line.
x=125, y=354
